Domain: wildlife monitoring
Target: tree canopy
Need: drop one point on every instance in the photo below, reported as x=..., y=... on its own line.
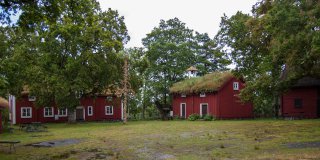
x=62, y=58
x=172, y=48
x=279, y=37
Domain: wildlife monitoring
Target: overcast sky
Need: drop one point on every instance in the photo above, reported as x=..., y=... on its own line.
x=204, y=16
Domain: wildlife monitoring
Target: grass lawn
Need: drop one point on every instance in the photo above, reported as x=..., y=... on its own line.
x=227, y=139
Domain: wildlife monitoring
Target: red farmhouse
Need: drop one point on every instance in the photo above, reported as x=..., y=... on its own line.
x=302, y=100
x=3, y=104
x=214, y=94
x=103, y=107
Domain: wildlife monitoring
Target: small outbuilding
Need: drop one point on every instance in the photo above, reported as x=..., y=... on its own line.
x=302, y=100
x=3, y=104
x=214, y=94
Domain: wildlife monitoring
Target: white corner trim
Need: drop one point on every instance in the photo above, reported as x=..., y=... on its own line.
x=12, y=108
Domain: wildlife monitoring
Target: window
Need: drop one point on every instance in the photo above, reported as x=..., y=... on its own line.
x=31, y=98
x=235, y=86
x=48, y=112
x=90, y=111
x=62, y=112
x=297, y=103
x=26, y=112
x=109, y=110
x=183, y=95
x=109, y=98
x=202, y=94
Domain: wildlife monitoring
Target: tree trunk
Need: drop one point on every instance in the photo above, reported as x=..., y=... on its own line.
x=143, y=110
x=276, y=106
x=160, y=108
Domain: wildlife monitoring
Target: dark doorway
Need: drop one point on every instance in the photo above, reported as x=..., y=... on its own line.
x=183, y=110
x=79, y=114
x=204, y=109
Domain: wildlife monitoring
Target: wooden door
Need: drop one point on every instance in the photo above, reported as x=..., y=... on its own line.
x=204, y=109
x=183, y=110
x=79, y=114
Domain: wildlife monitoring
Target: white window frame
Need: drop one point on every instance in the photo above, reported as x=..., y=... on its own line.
x=44, y=112
x=90, y=114
x=111, y=110
x=235, y=86
x=26, y=116
x=32, y=98
x=201, y=104
x=202, y=94
x=185, y=112
x=183, y=95
x=63, y=115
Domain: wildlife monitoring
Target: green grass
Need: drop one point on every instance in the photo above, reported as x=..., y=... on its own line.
x=228, y=139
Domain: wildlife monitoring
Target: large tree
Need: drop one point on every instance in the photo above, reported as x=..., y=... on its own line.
x=74, y=54
x=171, y=49
x=279, y=37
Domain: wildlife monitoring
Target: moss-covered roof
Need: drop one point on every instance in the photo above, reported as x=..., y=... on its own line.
x=207, y=83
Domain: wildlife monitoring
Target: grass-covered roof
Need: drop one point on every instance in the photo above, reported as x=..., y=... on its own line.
x=207, y=83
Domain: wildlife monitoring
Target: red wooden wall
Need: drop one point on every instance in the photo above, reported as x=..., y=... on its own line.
x=222, y=104
x=229, y=102
x=308, y=95
x=97, y=103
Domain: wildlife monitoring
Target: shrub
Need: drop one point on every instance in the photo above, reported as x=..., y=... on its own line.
x=193, y=117
x=176, y=117
x=208, y=117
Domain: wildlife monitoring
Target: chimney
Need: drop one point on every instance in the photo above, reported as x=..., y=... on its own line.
x=192, y=72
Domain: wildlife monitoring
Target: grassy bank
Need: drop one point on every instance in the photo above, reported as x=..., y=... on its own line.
x=236, y=139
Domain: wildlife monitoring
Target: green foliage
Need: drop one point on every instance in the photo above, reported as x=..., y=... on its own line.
x=5, y=118
x=280, y=37
x=208, y=117
x=171, y=48
x=63, y=53
x=193, y=117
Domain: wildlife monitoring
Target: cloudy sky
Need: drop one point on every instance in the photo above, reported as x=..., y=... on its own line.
x=141, y=16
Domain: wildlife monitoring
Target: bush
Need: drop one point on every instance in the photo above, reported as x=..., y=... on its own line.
x=176, y=117
x=193, y=117
x=208, y=117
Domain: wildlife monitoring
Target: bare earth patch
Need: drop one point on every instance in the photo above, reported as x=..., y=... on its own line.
x=304, y=145
x=55, y=143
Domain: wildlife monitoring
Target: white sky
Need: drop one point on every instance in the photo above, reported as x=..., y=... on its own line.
x=204, y=16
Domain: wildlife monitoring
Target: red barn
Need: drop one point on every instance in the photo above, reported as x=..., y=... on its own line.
x=302, y=100
x=3, y=104
x=103, y=107
x=214, y=94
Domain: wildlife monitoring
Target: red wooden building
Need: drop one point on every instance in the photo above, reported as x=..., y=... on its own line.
x=214, y=94
x=3, y=104
x=302, y=100
x=103, y=107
